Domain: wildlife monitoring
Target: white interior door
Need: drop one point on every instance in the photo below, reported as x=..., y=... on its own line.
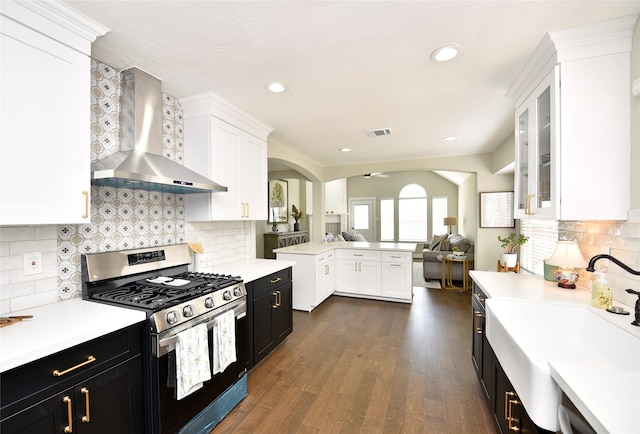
x=362, y=216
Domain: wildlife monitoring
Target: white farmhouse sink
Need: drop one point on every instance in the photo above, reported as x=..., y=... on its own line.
x=527, y=336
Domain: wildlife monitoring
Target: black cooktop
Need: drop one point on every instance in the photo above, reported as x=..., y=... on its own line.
x=158, y=292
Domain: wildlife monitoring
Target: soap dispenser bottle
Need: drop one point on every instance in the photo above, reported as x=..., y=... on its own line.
x=601, y=296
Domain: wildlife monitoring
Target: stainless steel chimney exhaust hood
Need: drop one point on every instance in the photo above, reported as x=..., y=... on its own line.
x=140, y=164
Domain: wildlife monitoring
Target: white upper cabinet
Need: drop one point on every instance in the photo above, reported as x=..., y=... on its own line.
x=536, y=151
x=230, y=148
x=335, y=196
x=45, y=116
x=572, y=125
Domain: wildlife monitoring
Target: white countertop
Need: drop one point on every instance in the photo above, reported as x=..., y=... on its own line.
x=58, y=326
x=315, y=248
x=528, y=287
x=608, y=398
x=252, y=269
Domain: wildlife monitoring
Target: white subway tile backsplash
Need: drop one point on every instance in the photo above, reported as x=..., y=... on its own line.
x=20, y=247
x=14, y=262
x=30, y=301
x=18, y=289
x=618, y=239
x=47, y=284
x=47, y=232
x=16, y=233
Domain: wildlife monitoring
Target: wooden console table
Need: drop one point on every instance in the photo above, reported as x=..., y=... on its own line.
x=275, y=240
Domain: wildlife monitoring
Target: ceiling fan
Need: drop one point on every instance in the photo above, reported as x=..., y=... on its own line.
x=376, y=175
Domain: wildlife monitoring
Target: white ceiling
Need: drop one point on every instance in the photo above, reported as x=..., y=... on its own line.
x=350, y=66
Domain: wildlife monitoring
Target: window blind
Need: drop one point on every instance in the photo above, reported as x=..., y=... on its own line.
x=543, y=237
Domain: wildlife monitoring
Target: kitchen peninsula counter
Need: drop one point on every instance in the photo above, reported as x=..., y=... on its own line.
x=380, y=271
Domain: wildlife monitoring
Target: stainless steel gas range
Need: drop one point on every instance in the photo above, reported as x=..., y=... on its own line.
x=157, y=281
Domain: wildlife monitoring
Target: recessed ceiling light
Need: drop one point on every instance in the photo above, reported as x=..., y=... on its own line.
x=450, y=139
x=446, y=53
x=345, y=149
x=277, y=87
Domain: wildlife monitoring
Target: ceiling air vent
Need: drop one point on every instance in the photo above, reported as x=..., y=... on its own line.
x=380, y=132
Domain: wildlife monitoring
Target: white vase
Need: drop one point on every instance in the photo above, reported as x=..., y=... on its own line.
x=508, y=259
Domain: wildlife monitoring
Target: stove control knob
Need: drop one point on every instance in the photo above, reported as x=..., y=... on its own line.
x=172, y=317
x=226, y=295
x=237, y=292
x=208, y=302
x=187, y=311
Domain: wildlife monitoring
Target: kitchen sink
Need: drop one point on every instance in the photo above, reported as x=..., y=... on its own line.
x=528, y=337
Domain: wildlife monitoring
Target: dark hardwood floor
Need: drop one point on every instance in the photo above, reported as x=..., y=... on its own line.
x=363, y=366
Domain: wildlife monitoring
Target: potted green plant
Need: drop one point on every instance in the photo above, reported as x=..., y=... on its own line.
x=297, y=215
x=510, y=258
x=457, y=251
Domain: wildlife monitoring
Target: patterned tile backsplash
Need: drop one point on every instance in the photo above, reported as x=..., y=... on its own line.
x=121, y=218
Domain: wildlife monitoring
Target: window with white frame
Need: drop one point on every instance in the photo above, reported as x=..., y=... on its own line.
x=439, y=210
x=543, y=237
x=412, y=213
x=387, y=220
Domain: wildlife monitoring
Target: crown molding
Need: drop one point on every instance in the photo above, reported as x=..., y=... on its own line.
x=583, y=42
x=67, y=17
x=210, y=103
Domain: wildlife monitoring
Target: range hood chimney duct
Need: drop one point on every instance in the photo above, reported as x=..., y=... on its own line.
x=140, y=163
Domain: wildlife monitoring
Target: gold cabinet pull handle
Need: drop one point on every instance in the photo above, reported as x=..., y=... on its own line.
x=57, y=373
x=508, y=409
x=511, y=418
x=86, y=204
x=477, y=314
x=279, y=298
x=275, y=301
x=507, y=414
x=69, y=428
x=87, y=416
x=528, y=210
x=276, y=280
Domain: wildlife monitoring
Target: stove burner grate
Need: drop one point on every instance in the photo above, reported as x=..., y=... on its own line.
x=154, y=296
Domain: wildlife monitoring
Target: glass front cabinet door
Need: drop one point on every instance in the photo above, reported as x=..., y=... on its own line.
x=536, y=140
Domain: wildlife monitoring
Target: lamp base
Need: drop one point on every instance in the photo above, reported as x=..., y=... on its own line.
x=566, y=277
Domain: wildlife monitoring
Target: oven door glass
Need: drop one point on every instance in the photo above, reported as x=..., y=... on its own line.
x=173, y=413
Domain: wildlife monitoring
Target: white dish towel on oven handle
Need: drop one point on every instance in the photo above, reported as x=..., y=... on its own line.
x=192, y=360
x=224, y=341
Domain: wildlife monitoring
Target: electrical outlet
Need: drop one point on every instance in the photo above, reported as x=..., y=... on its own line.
x=32, y=263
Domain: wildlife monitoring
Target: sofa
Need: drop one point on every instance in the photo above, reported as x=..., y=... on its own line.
x=442, y=245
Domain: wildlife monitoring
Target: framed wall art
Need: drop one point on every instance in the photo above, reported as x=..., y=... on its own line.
x=496, y=210
x=278, y=201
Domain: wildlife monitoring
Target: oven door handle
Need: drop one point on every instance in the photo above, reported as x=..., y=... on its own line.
x=172, y=340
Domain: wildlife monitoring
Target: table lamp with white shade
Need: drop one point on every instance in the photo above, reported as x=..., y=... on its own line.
x=567, y=257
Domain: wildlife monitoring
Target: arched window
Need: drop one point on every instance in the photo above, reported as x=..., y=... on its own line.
x=412, y=213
